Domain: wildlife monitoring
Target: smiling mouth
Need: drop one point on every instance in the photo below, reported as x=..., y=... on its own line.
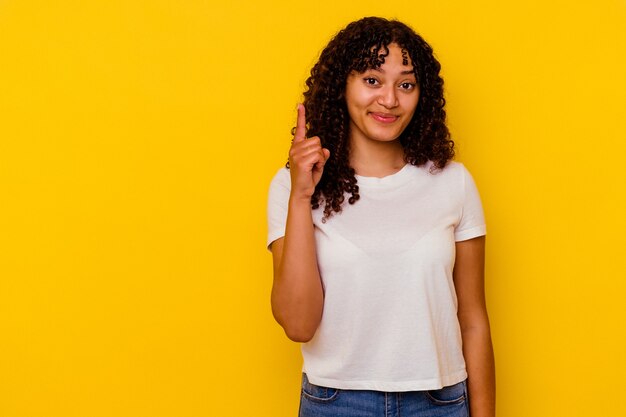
x=384, y=117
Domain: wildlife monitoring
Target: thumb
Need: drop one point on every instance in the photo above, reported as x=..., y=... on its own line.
x=326, y=153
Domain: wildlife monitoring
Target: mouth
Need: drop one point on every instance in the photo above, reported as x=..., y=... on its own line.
x=384, y=117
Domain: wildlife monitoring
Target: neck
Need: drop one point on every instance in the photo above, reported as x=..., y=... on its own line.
x=376, y=159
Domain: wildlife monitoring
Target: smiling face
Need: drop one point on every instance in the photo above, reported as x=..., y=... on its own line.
x=381, y=101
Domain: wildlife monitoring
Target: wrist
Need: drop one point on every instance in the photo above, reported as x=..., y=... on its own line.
x=297, y=200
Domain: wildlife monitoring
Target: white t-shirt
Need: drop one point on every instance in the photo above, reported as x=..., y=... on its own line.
x=390, y=309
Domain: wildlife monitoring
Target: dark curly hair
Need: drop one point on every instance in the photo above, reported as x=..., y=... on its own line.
x=358, y=47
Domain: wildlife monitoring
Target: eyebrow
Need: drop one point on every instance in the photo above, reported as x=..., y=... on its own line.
x=403, y=72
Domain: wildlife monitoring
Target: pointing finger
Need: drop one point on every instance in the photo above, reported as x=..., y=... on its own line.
x=300, y=124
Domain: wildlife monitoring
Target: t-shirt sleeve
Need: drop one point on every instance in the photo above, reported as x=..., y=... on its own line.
x=472, y=222
x=277, y=205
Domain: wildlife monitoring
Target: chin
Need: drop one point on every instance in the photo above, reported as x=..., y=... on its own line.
x=385, y=137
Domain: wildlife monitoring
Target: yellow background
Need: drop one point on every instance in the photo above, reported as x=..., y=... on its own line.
x=137, y=141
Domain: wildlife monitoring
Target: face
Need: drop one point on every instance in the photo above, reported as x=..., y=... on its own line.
x=382, y=101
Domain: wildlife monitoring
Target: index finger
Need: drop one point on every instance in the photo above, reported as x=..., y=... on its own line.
x=300, y=124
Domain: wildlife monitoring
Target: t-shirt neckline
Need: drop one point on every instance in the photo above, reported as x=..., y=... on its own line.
x=397, y=178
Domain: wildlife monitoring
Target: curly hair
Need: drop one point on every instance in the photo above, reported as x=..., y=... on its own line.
x=358, y=47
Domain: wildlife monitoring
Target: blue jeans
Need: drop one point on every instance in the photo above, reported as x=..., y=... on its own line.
x=317, y=401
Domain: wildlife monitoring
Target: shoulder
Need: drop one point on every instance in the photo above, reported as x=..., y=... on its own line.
x=461, y=173
x=454, y=178
x=282, y=179
x=453, y=171
x=455, y=167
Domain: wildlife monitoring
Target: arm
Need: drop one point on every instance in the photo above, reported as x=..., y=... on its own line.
x=297, y=295
x=469, y=271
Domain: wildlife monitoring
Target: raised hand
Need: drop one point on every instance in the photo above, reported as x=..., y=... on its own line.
x=306, y=160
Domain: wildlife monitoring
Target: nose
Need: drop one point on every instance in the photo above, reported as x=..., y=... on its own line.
x=388, y=97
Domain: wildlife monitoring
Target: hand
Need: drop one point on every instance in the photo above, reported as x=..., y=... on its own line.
x=306, y=160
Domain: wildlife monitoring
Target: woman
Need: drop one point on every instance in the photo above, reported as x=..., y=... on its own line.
x=378, y=240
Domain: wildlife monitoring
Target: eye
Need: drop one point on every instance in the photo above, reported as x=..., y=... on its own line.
x=407, y=86
x=370, y=81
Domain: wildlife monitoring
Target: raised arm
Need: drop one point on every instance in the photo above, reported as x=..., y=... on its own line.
x=297, y=295
x=469, y=269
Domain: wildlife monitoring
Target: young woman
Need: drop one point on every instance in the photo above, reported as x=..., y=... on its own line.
x=378, y=240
